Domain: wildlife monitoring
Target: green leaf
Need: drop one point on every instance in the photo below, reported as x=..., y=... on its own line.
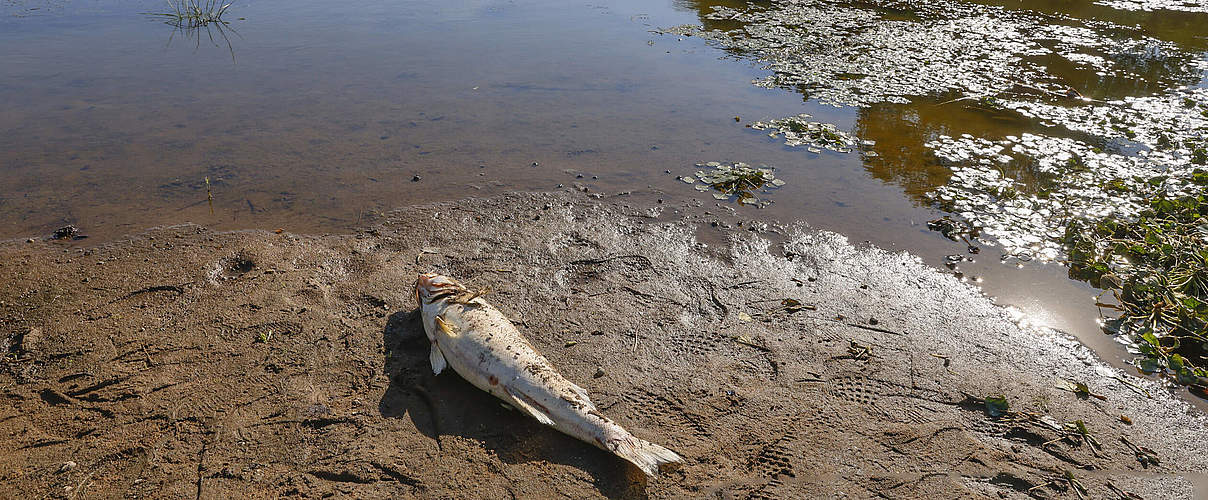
x=1186, y=376
x=1150, y=338
x=996, y=406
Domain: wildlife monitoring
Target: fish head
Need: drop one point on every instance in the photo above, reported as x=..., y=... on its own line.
x=430, y=287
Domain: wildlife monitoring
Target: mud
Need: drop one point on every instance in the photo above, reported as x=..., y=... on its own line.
x=184, y=362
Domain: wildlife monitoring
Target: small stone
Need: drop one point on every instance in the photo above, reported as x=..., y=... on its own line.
x=415, y=178
x=67, y=466
x=31, y=240
x=873, y=321
x=535, y=164
x=599, y=372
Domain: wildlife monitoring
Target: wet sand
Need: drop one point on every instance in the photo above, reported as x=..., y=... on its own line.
x=185, y=362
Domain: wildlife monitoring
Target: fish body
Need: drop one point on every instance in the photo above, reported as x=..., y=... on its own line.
x=484, y=347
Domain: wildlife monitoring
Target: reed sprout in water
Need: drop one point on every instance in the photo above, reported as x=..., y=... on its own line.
x=193, y=14
x=190, y=17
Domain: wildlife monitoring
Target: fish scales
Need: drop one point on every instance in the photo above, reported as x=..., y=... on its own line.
x=484, y=347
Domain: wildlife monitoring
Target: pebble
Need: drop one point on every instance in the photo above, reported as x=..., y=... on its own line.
x=415, y=178
x=67, y=466
x=599, y=372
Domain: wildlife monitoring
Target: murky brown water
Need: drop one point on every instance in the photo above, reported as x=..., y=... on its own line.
x=319, y=115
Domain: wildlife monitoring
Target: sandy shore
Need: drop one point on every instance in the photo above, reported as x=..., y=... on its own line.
x=188, y=363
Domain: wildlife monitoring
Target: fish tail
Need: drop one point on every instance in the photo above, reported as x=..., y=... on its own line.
x=644, y=454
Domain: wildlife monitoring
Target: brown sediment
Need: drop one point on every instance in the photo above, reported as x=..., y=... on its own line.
x=304, y=374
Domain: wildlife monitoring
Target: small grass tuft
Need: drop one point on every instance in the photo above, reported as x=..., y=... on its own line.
x=193, y=14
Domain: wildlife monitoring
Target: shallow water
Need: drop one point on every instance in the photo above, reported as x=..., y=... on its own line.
x=318, y=117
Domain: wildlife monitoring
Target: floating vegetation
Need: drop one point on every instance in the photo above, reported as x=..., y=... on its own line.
x=737, y=181
x=1168, y=129
x=800, y=131
x=1071, y=181
x=1152, y=5
x=853, y=54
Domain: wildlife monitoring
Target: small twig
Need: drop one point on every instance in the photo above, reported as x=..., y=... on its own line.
x=725, y=311
x=874, y=329
x=1136, y=388
x=1124, y=494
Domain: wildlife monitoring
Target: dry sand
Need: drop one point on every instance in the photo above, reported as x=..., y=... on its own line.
x=184, y=363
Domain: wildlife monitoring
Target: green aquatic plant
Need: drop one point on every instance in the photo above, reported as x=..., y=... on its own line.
x=738, y=180
x=1156, y=266
x=191, y=17
x=193, y=14
x=800, y=131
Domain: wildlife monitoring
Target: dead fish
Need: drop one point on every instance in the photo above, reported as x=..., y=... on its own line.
x=484, y=347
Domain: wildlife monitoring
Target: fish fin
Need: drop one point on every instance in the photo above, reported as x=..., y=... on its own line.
x=583, y=394
x=437, y=358
x=644, y=454
x=523, y=402
x=445, y=326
